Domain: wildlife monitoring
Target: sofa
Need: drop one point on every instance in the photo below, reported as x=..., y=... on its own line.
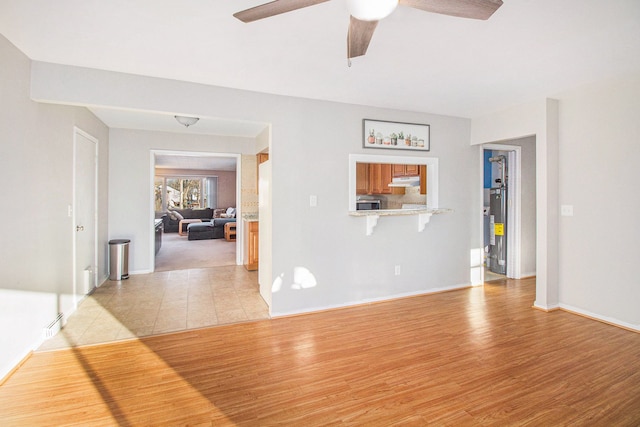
x=213, y=229
x=171, y=218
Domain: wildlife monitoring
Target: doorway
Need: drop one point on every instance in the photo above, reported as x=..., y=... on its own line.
x=84, y=214
x=520, y=226
x=213, y=181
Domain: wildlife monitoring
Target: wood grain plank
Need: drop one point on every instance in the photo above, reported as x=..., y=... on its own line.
x=478, y=356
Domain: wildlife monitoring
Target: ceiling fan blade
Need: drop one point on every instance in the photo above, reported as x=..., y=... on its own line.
x=360, y=33
x=474, y=9
x=274, y=8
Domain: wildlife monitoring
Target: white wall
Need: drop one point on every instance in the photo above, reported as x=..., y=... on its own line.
x=36, y=169
x=310, y=144
x=599, y=176
x=262, y=140
x=130, y=188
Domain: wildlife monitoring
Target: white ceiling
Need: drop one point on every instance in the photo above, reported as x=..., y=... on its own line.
x=417, y=61
x=147, y=120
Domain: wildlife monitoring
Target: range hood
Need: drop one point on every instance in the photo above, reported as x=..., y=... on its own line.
x=405, y=181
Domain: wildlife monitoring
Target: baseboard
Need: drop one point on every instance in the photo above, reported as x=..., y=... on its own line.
x=370, y=301
x=527, y=275
x=604, y=319
x=131, y=273
x=545, y=308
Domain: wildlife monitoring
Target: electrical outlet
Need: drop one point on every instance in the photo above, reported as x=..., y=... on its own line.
x=397, y=270
x=566, y=210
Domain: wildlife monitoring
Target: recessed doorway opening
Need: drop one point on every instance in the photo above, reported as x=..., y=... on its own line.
x=509, y=223
x=195, y=195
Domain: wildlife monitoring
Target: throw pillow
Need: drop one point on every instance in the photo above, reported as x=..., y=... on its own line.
x=231, y=212
x=178, y=216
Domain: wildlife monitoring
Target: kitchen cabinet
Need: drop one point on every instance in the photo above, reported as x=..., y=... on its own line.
x=380, y=177
x=362, y=178
x=373, y=178
x=251, y=229
x=423, y=179
x=405, y=170
x=261, y=158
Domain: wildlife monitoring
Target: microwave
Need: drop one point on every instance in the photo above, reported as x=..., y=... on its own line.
x=367, y=205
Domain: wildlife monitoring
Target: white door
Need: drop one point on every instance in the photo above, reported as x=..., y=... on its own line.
x=84, y=213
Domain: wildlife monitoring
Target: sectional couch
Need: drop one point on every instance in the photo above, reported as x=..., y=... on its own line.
x=171, y=219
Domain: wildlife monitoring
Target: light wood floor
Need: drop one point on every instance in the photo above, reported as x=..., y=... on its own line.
x=479, y=356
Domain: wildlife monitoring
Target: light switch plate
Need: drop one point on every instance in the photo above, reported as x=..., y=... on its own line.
x=566, y=210
x=313, y=201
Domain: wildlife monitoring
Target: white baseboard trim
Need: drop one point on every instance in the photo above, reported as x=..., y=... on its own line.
x=527, y=275
x=370, y=300
x=544, y=307
x=604, y=319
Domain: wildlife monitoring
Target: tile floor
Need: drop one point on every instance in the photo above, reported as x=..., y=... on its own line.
x=490, y=276
x=162, y=302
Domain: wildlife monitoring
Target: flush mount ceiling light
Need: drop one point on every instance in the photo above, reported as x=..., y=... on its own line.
x=187, y=121
x=371, y=10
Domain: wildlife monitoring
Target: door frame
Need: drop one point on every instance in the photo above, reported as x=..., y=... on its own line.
x=239, y=228
x=514, y=211
x=94, y=276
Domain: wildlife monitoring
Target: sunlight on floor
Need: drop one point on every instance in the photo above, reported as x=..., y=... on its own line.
x=163, y=302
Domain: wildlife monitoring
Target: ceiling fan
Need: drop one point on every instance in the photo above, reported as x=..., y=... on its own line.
x=365, y=14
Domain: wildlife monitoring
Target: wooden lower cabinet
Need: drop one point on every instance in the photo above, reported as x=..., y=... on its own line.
x=251, y=245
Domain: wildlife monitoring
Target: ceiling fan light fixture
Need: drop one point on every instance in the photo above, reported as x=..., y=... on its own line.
x=187, y=121
x=371, y=10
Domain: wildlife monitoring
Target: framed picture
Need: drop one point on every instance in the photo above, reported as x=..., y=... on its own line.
x=395, y=135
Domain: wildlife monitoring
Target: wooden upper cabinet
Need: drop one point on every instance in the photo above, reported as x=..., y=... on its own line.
x=406, y=170
x=262, y=157
x=398, y=170
x=412, y=170
x=362, y=178
x=373, y=178
x=380, y=177
x=385, y=177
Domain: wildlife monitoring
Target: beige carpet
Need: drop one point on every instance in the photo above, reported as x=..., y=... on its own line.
x=178, y=253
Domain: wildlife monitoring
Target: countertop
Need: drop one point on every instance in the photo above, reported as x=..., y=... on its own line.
x=250, y=217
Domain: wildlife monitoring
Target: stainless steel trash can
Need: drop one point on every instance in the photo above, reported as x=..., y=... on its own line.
x=119, y=259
